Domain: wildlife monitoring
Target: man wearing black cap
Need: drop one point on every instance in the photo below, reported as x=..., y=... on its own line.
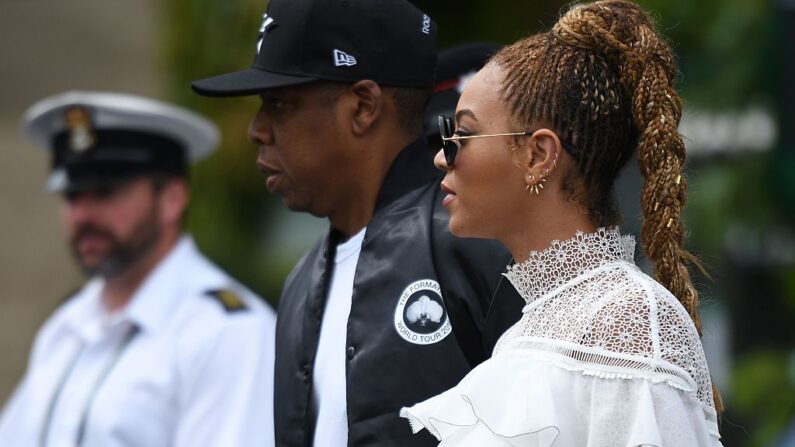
x=388, y=308
x=161, y=347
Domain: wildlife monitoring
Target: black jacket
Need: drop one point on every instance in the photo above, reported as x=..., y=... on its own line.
x=400, y=349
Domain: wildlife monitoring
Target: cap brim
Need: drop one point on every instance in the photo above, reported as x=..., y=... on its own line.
x=246, y=82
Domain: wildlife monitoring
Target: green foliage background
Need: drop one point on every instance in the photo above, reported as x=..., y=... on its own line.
x=231, y=209
x=728, y=56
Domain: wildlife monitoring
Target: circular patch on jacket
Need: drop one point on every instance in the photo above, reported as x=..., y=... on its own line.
x=420, y=317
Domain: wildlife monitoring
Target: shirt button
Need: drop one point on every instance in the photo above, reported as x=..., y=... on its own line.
x=351, y=351
x=306, y=369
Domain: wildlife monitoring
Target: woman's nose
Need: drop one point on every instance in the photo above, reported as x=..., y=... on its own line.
x=440, y=161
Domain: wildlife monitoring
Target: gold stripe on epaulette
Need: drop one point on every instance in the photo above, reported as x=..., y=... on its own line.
x=229, y=299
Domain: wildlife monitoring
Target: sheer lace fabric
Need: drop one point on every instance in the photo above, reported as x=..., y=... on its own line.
x=595, y=330
x=590, y=304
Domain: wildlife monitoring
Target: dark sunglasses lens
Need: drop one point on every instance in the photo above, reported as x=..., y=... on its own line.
x=450, y=150
x=449, y=147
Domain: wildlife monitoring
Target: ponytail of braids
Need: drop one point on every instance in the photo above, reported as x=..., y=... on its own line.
x=624, y=34
x=604, y=80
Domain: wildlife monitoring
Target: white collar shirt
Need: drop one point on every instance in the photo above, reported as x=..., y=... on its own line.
x=175, y=367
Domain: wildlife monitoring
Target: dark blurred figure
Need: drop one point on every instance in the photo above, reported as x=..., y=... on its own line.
x=455, y=68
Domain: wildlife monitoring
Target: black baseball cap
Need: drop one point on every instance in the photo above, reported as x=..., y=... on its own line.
x=388, y=41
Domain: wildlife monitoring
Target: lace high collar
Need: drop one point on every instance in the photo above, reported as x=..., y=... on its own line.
x=561, y=262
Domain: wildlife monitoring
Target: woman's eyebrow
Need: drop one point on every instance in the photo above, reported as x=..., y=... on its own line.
x=465, y=112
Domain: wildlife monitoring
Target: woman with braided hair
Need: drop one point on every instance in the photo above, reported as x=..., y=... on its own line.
x=603, y=355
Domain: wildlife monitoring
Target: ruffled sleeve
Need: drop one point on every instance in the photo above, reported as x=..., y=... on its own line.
x=521, y=398
x=603, y=356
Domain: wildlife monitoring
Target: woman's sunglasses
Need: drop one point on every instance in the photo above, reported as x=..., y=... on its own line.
x=450, y=147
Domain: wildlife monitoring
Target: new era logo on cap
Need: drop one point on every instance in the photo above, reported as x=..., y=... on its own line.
x=342, y=58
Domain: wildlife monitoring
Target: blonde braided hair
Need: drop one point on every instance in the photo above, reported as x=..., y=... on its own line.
x=604, y=80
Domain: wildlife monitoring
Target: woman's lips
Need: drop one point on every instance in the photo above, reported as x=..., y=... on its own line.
x=449, y=195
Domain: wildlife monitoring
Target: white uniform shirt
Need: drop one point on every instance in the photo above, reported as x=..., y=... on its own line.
x=173, y=368
x=329, y=398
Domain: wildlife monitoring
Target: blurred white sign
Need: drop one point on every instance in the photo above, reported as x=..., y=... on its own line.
x=710, y=133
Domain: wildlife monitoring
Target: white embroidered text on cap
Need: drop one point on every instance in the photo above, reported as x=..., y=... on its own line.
x=267, y=22
x=426, y=24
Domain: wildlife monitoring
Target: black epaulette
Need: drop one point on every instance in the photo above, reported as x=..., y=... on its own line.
x=229, y=299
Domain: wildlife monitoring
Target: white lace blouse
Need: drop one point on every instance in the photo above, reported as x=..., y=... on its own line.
x=602, y=356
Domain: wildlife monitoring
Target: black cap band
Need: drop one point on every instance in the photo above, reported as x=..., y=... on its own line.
x=118, y=154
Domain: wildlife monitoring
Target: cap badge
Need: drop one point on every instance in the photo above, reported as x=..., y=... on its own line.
x=78, y=122
x=342, y=58
x=267, y=23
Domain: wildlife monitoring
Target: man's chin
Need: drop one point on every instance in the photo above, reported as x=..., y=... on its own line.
x=297, y=206
x=97, y=266
x=89, y=268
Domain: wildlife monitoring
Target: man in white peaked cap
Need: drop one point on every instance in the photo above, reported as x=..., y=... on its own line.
x=160, y=347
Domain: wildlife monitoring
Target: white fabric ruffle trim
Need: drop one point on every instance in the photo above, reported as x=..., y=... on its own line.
x=516, y=400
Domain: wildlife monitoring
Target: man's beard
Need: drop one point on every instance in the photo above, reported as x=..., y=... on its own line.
x=122, y=253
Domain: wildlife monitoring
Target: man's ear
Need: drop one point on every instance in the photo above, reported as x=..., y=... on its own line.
x=539, y=155
x=367, y=105
x=174, y=199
